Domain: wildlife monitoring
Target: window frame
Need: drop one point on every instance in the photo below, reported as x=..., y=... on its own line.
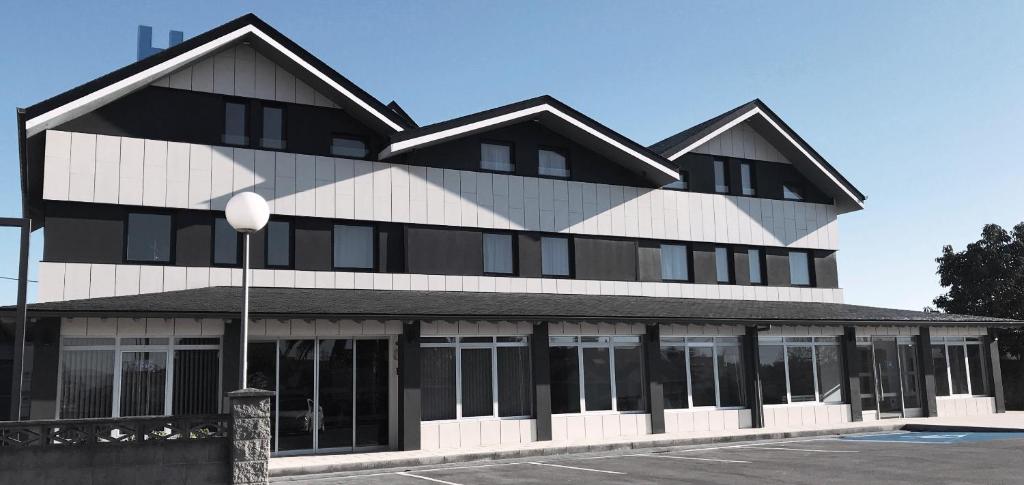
x=688, y=254
x=561, y=151
x=570, y=255
x=686, y=343
x=811, y=280
x=511, y=156
x=247, y=118
x=374, y=246
x=607, y=342
x=963, y=342
x=117, y=347
x=725, y=175
x=814, y=343
x=456, y=343
x=752, y=175
x=284, y=126
x=172, y=234
x=515, y=253
x=762, y=261
x=729, y=263
x=239, y=245
x=291, y=244
x=350, y=136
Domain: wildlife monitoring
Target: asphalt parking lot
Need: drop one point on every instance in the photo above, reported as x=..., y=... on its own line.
x=892, y=457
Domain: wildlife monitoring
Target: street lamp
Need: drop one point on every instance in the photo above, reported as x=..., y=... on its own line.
x=247, y=212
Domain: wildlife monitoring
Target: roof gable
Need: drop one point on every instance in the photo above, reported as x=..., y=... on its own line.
x=554, y=115
x=765, y=123
x=248, y=28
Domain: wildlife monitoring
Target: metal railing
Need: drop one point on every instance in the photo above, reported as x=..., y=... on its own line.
x=106, y=431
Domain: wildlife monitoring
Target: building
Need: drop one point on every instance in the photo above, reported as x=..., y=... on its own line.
x=519, y=274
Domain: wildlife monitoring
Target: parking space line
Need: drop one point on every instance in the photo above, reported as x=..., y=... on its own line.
x=781, y=448
x=610, y=472
x=722, y=460
x=436, y=480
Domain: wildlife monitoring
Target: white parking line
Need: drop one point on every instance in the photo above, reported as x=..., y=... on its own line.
x=722, y=460
x=576, y=468
x=780, y=448
x=407, y=474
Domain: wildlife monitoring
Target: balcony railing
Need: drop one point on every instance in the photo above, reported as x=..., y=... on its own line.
x=104, y=431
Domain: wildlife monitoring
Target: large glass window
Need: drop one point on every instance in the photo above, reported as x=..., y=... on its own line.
x=799, y=268
x=721, y=177
x=552, y=163
x=722, y=266
x=225, y=243
x=475, y=377
x=756, y=269
x=941, y=370
x=703, y=371
x=800, y=369
x=349, y=147
x=959, y=366
x=554, y=256
x=497, y=157
x=236, y=131
x=675, y=265
x=113, y=377
x=149, y=238
x=273, y=128
x=498, y=253
x=353, y=247
x=612, y=374
x=747, y=178
x=279, y=244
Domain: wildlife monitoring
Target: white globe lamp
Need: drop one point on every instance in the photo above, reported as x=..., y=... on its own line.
x=247, y=213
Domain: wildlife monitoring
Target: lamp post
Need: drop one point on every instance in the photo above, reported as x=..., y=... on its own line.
x=247, y=213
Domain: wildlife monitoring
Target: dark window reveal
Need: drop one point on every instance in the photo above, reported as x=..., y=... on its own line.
x=273, y=128
x=236, y=131
x=149, y=238
x=353, y=247
x=279, y=244
x=497, y=157
x=225, y=243
x=349, y=147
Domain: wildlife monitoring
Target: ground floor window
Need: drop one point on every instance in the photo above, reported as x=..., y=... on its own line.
x=475, y=377
x=139, y=376
x=959, y=366
x=800, y=369
x=703, y=371
x=597, y=374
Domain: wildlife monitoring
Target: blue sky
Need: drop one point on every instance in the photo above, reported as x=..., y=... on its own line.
x=918, y=104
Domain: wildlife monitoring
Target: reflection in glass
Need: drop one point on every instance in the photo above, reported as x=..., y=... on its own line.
x=830, y=374
x=565, y=380
x=438, y=383
x=196, y=382
x=597, y=383
x=979, y=376
x=335, y=402
x=908, y=361
x=143, y=383
x=371, y=392
x=673, y=360
x=629, y=378
x=801, y=374
x=262, y=374
x=958, y=369
x=702, y=374
x=941, y=370
x=297, y=417
x=515, y=391
x=477, y=390
x=866, y=373
x=87, y=384
x=773, y=374
x=730, y=376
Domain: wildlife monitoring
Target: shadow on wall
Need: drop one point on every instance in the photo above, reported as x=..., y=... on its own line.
x=107, y=169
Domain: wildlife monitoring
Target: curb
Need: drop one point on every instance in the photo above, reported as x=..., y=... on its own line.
x=952, y=428
x=410, y=462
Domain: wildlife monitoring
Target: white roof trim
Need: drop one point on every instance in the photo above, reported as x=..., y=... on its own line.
x=113, y=91
x=406, y=145
x=757, y=111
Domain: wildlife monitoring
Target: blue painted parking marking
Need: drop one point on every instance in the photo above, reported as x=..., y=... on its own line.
x=943, y=437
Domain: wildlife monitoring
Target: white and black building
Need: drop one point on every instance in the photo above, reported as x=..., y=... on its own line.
x=519, y=274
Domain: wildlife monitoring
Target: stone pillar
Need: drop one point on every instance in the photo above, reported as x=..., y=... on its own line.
x=540, y=366
x=655, y=378
x=752, y=368
x=250, y=436
x=851, y=373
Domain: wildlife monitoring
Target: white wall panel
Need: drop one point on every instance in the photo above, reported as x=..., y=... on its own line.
x=284, y=183
x=130, y=184
x=305, y=185
x=222, y=172
x=324, y=191
x=224, y=72
x=531, y=204
x=484, y=200
x=418, y=195
x=245, y=71
x=452, y=197
x=266, y=176
x=435, y=195
x=560, y=191
x=177, y=174
x=631, y=206
x=202, y=75
x=400, y=193
x=467, y=199
x=285, y=85
x=200, y=176
x=546, y=199
x=363, y=189
x=57, y=165
x=516, y=202
x=244, y=177
x=154, y=174
x=264, y=82
x=108, y=168
x=82, y=167
x=381, y=191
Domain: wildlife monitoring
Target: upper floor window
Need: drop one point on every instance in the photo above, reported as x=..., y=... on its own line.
x=353, y=247
x=683, y=183
x=498, y=253
x=675, y=265
x=792, y=192
x=149, y=238
x=273, y=128
x=552, y=163
x=554, y=256
x=799, y=268
x=721, y=177
x=754, y=257
x=225, y=243
x=747, y=178
x=236, y=129
x=349, y=147
x=279, y=244
x=722, y=273
x=497, y=157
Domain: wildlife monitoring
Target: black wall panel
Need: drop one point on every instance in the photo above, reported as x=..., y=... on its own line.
x=529, y=255
x=391, y=248
x=768, y=177
x=444, y=251
x=741, y=266
x=605, y=259
x=84, y=233
x=194, y=238
x=826, y=270
x=649, y=261
x=777, y=264
x=704, y=270
x=313, y=249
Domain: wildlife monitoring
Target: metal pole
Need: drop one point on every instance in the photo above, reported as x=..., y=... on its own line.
x=245, y=312
x=20, y=324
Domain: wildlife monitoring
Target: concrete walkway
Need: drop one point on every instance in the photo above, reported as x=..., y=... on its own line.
x=316, y=464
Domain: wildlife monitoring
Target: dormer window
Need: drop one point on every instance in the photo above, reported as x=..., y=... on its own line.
x=792, y=192
x=236, y=131
x=349, y=147
x=496, y=157
x=552, y=163
x=273, y=128
x=747, y=178
x=721, y=177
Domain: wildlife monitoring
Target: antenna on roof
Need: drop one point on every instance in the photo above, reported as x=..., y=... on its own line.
x=145, y=41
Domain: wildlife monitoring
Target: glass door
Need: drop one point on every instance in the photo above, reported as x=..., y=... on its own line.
x=889, y=385
x=298, y=417
x=909, y=372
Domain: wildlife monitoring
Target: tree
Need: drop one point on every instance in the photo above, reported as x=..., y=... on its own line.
x=987, y=279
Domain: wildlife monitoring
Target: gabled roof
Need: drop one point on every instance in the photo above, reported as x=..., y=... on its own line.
x=224, y=302
x=249, y=27
x=554, y=115
x=776, y=131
